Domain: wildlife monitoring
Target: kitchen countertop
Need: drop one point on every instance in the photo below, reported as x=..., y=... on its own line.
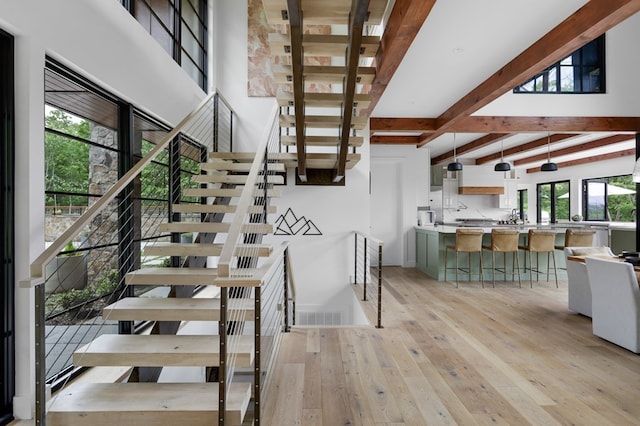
x=449, y=228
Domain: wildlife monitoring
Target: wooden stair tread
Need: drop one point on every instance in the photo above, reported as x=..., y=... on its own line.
x=236, y=156
x=314, y=161
x=322, y=140
x=214, y=227
x=174, y=309
x=322, y=45
x=158, y=350
x=224, y=165
x=199, y=249
x=324, y=100
x=149, y=404
x=237, y=179
x=322, y=121
x=226, y=192
x=218, y=208
x=172, y=276
x=324, y=74
x=318, y=160
x=326, y=12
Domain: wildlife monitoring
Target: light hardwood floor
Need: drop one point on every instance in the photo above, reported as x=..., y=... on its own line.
x=456, y=356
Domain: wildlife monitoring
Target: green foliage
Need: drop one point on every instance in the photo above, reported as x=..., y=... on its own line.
x=66, y=159
x=70, y=298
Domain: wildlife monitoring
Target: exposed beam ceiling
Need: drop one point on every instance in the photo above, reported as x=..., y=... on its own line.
x=529, y=146
x=592, y=159
x=587, y=23
x=471, y=146
x=576, y=148
x=482, y=124
x=406, y=19
x=395, y=140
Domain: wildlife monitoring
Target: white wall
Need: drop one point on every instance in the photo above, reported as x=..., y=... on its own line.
x=101, y=41
x=411, y=169
x=321, y=264
x=623, y=85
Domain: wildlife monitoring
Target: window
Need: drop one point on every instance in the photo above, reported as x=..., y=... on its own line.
x=7, y=228
x=581, y=72
x=553, y=202
x=610, y=198
x=180, y=27
x=523, y=203
x=91, y=139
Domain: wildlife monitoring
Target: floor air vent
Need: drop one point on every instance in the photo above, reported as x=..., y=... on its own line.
x=319, y=318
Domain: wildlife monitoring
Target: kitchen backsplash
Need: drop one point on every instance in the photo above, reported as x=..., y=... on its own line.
x=469, y=207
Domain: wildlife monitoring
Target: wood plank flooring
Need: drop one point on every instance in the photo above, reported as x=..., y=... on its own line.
x=463, y=356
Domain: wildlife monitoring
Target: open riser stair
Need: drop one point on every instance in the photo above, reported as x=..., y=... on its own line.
x=136, y=401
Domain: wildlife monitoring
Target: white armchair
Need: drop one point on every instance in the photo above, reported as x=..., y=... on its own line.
x=578, y=282
x=616, y=302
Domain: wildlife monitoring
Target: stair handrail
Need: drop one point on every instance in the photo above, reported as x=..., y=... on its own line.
x=242, y=209
x=369, y=242
x=37, y=274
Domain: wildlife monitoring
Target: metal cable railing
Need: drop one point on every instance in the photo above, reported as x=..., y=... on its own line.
x=242, y=273
x=367, y=274
x=109, y=239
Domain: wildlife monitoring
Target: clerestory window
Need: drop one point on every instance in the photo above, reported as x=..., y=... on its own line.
x=581, y=72
x=180, y=27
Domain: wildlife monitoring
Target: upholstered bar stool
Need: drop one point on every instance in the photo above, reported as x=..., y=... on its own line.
x=577, y=238
x=468, y=240
x=504, y=241
x=540, y=241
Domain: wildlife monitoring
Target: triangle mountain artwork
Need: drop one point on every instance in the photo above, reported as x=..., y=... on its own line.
x=290, y=224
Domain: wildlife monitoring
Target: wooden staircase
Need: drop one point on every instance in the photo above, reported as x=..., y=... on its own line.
x=324, y=103
x=151, y=403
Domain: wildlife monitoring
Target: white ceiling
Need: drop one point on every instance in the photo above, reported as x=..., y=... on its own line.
x=462, y=43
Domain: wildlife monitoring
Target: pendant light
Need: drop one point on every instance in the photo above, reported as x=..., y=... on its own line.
x=502, y=166
x=456, y=165
x=549, y=166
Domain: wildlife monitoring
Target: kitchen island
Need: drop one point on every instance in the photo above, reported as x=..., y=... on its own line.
x=431, y=243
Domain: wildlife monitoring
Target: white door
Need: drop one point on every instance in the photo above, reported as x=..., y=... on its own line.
x=386, y=202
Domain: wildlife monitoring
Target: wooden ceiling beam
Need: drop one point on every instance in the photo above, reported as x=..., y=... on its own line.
x=394, y=140
x=402, y=124
x=406, y=19
x=592, y=159
x=471, y=146
x=295, y=30
x=487, y=124
x=576, y=148
x=357, y=18
x=587, y=23
x=558, y=137
x=508, y=124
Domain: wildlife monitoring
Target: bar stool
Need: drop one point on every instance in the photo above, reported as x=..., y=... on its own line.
x=577, y=238
x=540, y=241
x=504, y=241
x=468, y=240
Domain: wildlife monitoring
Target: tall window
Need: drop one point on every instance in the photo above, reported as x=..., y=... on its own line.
x=523, y=203
x=180, y=27
x=7, y=318
x=553, y=202
x=581, y=72
x=609, y=198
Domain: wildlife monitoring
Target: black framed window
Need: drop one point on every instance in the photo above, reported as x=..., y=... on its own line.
x=581, y=72
x=7, y=304
x=523, y=203
x=610, y=198
x=553, y=202
x=180, y=27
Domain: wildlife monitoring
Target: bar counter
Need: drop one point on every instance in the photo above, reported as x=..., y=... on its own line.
x=431, y=243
